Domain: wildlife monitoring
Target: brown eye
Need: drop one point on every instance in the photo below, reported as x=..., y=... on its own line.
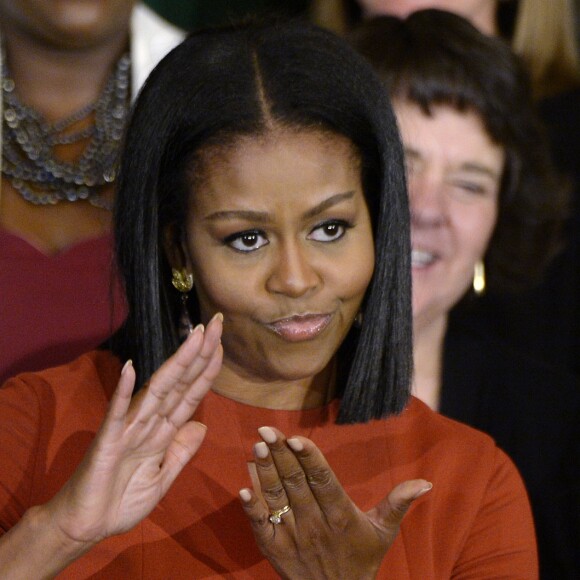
x=248, y=241
x=329, y=231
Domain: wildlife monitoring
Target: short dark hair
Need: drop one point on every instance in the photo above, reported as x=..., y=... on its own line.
x=225, y=83
x=438, y=58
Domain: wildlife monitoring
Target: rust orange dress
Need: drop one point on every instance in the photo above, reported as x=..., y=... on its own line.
x=475, y=523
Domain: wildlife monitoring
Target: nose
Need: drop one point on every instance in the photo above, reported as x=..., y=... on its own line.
x=293, y=273
x=427, y=200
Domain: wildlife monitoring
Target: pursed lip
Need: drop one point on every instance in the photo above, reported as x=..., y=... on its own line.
x=300, y=327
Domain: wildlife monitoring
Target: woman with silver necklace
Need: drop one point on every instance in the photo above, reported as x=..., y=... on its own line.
x=68, y=75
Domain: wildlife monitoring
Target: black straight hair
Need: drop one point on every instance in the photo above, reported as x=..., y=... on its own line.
x=222, y=84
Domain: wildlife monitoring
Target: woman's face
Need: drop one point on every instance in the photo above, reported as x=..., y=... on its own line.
x=67, y=23
x=279, y=240
x=454, y=171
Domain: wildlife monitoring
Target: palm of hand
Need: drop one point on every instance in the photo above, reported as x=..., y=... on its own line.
x=143, y=444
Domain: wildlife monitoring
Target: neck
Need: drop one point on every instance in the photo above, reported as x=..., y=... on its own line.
x=289, y=395
x=54, y=81
x=428, y=360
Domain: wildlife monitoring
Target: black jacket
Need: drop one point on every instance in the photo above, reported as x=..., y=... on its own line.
x=532, y=410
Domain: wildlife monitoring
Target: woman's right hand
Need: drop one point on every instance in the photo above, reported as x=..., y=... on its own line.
x=142, y=445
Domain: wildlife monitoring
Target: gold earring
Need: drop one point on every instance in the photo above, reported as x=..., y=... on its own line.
x=182, y=280
x=479, y=278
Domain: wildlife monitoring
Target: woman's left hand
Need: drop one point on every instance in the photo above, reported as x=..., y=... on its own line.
x=323, y=534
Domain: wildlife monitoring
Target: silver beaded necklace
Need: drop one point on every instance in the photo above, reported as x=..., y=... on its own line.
x=27, y=150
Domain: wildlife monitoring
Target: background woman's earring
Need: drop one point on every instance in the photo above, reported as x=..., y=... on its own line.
x=183, y=281
x=479, y=278
x=358, y=319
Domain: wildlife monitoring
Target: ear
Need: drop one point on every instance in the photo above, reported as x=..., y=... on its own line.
x=175, y=246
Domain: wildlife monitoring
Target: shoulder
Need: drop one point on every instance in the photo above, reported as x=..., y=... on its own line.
x=464, y=462
x=47, y=421
x=430, y=430
x=479, y=500
x=422, y=443
x=89, y=378
x=478, y=505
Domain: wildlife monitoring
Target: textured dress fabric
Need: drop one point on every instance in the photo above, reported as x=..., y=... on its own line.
x=532, y=410
x=474, y=523
x=54, y=308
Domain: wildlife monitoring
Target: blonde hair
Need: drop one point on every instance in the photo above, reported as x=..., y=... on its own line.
x=543, y=36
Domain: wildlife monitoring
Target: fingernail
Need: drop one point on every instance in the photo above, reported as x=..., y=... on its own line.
x=245, y=495
x=201, y=424
x=261, y=450
x=128, y=364
x=427, y=488
x=198, y=328
x=295, y=444
x=267, y=434
x=218, y=316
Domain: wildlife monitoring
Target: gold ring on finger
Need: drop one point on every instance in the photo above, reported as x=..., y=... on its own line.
x=276, y=515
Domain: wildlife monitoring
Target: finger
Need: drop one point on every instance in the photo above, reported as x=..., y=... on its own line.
x=197, y=390
x=389, y=513
x=290, y=472
x=184, y=446
x=258, y=515
x=210, y=343
x=271, y=488
x=168, y=376
x=322, y=483
x=120, y=401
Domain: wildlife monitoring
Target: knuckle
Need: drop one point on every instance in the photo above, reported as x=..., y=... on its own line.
x=273, y=493
x=395, y=516
x=160, y=396
x=340, y=521
x=261, y=520
x=294, y=480
x=320, y=478
x=399, y=509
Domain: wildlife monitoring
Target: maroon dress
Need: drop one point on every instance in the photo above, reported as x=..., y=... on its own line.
x=54, y=308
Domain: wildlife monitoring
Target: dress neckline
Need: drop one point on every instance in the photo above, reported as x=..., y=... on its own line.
x=9, y=238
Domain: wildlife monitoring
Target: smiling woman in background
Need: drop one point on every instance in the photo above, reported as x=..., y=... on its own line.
x=486, y=211
x=545, y=318
x=262, y=178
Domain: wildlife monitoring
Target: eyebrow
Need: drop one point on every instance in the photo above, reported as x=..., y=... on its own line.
x=264, y=217
x=469, y=166
x=478, y=168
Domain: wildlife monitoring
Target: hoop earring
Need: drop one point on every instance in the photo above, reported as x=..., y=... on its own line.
x=183, y=282
x=479, y=278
